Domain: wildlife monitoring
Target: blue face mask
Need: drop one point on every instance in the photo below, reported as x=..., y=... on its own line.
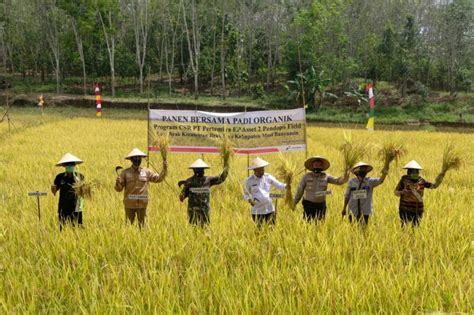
x=70, y=169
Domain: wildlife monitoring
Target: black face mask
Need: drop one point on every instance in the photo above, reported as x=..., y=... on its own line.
x=136, y=162
x=362, y=174
x=199, y=172
x=318, y=170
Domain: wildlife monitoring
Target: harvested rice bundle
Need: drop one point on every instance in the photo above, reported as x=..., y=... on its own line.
x=391, y=151
x=162, y=141
x=287, y=170
x=452, y=160
x=352, y=152
x=225, y=150
x=83, y=188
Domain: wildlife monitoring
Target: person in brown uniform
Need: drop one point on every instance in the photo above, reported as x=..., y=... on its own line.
x=134, y=182
x=314, y=186
x=410, y=189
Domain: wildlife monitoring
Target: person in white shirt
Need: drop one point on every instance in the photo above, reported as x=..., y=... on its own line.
x=257, y=192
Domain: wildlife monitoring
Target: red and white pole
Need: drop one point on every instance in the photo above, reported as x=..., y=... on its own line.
x=98, y=101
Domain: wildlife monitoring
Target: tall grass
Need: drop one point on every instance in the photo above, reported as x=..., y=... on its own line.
x=171, y=267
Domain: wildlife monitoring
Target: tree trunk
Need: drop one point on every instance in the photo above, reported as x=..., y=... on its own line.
x=81, y=54
x=213, y=66
x=269, y=66
x=194, y=48
x=110, y=42
x=224, y=92
x=141, y=25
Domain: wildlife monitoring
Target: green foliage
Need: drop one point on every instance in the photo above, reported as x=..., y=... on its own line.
x=263, y=41
x=312, y=84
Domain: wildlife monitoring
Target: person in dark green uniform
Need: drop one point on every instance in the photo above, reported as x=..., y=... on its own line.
x=196, y=189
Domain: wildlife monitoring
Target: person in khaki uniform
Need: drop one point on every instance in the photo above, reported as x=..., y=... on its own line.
x=314, y=186
x=134, y=182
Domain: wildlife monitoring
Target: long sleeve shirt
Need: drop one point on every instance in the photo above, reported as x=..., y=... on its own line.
x=135, y=182
x=411, y=193
x=359, y=194
x=258, y=190
x=314, y=186
x=197, y=190
x=67, y=196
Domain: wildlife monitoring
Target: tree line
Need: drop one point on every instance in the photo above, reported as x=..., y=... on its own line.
x=219, y=46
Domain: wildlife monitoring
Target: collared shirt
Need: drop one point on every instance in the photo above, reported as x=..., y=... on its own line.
x=258, y=189
x=358, y=199
x=314, y=186
x=135, y=182
x=67, y=195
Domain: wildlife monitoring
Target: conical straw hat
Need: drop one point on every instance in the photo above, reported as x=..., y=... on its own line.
x=309, y=162
x=360, y=164
x=135, y=152
x=258, y=163
x=199, y=164
x=69, y=158
x=413, y=165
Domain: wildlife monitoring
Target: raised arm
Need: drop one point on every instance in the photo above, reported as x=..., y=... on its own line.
x=277, y=184
x=221, y=178
x=154, y=177
x=438, y=181
x=120, y=182
x=339, y=180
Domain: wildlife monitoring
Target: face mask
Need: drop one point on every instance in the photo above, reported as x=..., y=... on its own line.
x=136, y=162
x=362, y=174
x=317, y=170
x=69, y=168
x=414, y=176
x=199, y=172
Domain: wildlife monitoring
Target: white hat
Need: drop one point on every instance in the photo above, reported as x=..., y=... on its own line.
x=360, y=164
x=135, y=152
x=413, y=165
x=199, y=164
x=258, y=163
x=309, y=162
x=69, y=158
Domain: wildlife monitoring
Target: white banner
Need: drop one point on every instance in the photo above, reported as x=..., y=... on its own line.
x=249, y=132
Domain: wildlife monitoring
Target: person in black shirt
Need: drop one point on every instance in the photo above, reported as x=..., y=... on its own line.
x=70, y=205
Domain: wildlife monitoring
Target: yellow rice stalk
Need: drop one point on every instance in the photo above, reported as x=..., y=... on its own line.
x=391, y=151
x=451, y=159
x=163, y=143
x=287, y=170
x=83, y=188
x=225, y=150
x=352, y=152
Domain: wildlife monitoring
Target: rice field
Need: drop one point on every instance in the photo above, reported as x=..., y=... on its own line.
x=231, y=267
